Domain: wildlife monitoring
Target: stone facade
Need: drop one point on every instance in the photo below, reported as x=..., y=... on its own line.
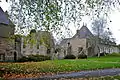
x=13, y=48
x=40, y=46
x=7, y=51
x=85, y=41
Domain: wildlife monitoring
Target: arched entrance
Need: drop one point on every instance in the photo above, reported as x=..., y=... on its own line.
x=2, y=55
x=15, y=55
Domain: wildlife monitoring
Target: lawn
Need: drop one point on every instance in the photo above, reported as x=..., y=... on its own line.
x=58, y=66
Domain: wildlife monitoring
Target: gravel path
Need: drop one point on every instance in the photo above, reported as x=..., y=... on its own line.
x=81, y=74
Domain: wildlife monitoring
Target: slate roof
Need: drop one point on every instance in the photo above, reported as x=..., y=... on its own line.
x=3, y=17
x=84, y=32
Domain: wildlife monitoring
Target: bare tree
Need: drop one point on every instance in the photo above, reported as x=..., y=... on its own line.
x=98, y=27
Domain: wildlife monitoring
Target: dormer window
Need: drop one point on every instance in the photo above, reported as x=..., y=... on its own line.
x=68, y=43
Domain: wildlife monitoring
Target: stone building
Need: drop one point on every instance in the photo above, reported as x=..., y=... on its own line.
x=41, y=42
x=13, y=46
x=85, y=41
x=7, y=51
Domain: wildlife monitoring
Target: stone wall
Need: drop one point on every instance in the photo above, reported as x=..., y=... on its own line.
x=28, y=50
x=6, y=49
x=6, y=30
x=108, y=49
x=77, y=43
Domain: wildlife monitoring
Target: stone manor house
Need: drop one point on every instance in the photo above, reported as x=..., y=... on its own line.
x=86, y=41
x=43, y=42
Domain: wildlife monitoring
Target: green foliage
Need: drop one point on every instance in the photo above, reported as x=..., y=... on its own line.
x=114, y=54
x=2, y=72
x=42, y=14
x=39, y=38
x=55, y=15
x=33, y=58
x=69, y=57
x=30, y=39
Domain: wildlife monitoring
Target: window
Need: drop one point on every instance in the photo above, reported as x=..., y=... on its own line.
x=24, y=46
x=0, y=57
x=48, y=51
x=37, y=51
x=37, y=46
x=80, y=49
x=24, y=51
x=68, y=43
x=31, y=52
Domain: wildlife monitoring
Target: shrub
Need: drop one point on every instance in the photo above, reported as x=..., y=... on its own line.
x=23, y=59
x=2, y=72
x=69, y=57
x=102, y=54
x=34, y=58
x=114, y=54
x=82, y=56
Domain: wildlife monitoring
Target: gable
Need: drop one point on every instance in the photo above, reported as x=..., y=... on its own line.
x=84, y=32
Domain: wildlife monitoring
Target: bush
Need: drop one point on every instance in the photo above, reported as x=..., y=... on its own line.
x=82, y=56
x=102, y=54
x=34, y=58
x=114, y=54
x=23, y=59
x=69, y=57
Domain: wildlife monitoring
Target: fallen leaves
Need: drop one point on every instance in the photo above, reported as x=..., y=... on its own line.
x=14, y=76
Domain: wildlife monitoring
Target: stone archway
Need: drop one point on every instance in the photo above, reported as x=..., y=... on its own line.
x=15, y=55
x=2, y=54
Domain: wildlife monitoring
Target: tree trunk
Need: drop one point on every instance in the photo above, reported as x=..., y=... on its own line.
x=98, y=51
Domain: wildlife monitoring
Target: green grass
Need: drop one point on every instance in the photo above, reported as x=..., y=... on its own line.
x=57, y=66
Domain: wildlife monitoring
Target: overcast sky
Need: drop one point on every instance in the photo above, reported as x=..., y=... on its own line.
x=114, y=25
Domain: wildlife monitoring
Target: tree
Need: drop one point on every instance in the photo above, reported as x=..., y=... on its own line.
x=98, y=27
x=51, y=15
x=38, y=14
